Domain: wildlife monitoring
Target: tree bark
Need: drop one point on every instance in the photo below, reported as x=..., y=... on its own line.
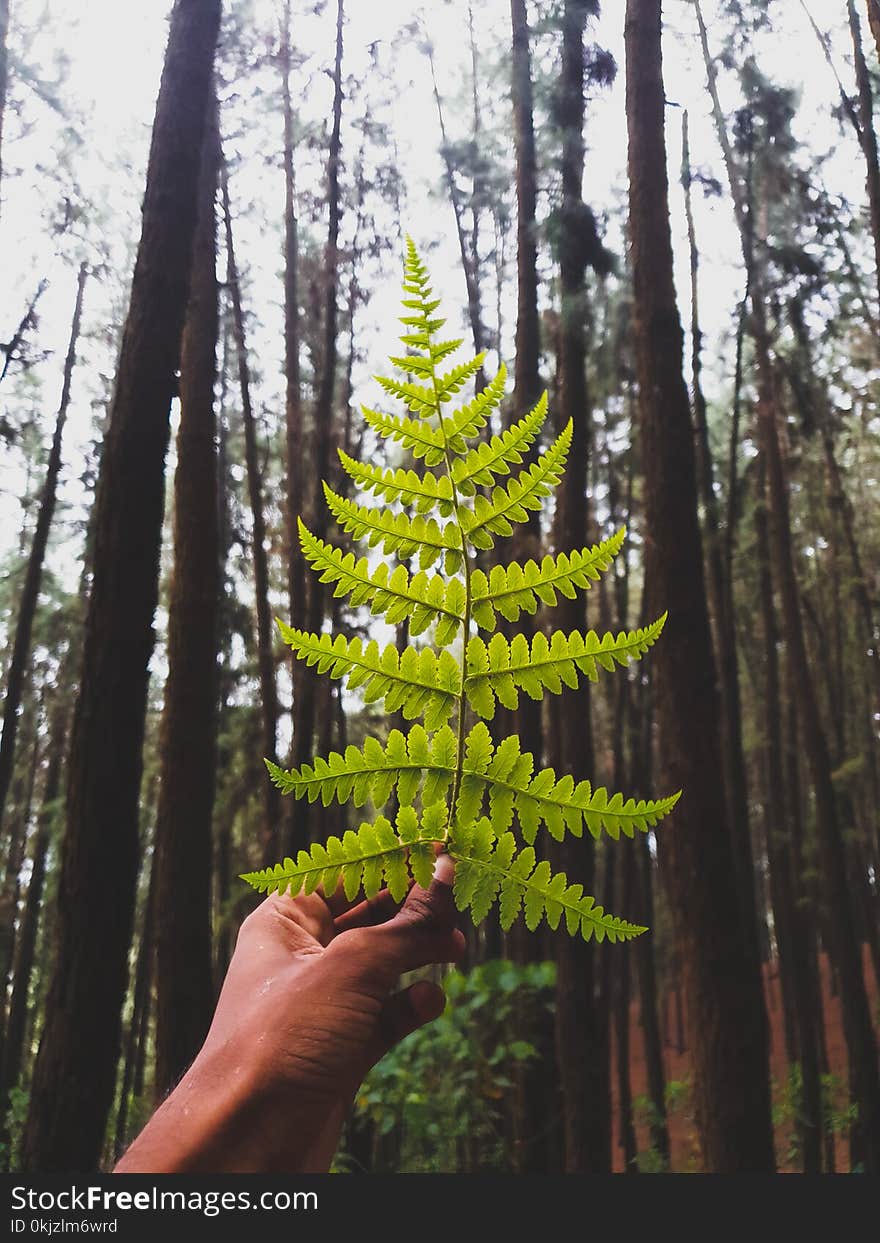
x=582, y=1061
x=76, y=1065
x=297, y=577
x=265, y=630
x=468, y=260
x=188, y=740
x=19, y=1004
x=788, y=916
x=305, y=711
x=874, y=21
x=726, y=1018
x=31, y=587
x=867, y=133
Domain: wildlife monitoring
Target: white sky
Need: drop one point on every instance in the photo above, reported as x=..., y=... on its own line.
x=115, y=52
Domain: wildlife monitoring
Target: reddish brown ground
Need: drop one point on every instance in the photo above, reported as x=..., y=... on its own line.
x=685, y=1148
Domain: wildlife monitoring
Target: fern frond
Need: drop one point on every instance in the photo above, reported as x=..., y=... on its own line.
x=501, y=452
x=416, y=397
x=398, y=533
x=375, y=855
x=511, y=589
x=469, y=790
x=391, y=593
x=500, y=669
x=560, y=804
x=373, y=771
x=489, y=869
x=420, y=439
x=496, y=515
x=416, y=683
x=468, y=421
x=423, y=492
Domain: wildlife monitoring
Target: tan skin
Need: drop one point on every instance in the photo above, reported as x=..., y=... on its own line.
x=308, y=1006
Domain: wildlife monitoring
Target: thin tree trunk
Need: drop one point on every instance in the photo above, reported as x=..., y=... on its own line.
x=297, y=580
x=582, y=1063
x=305, y=708
x=132, y=1067
x=735, y=778
x=475, y=313
x=265, y=630
x=726, y=1018
x=23, y=793
x=867, y=133
x=19, y=1004
x=874, y=21
x=76, y=1065
x=31, y=587
x=788, y=922
x=188, y=739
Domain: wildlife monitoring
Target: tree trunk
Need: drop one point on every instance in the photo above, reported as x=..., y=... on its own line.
x=140, y=1005
x=30, y=591
x=188, y=740
x=867, y=133
x=265, y=630
x=76, y=1065
x=582, y=1063
x=858, y=1029
x=874, y=21
x=726, y=1018
x=305, y=709
x=788, y=918
x=735, y=778
x=297, y=577
x=19, y=1004
x=468, y=260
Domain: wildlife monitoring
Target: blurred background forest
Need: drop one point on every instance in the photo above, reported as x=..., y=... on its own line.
x=194, y=296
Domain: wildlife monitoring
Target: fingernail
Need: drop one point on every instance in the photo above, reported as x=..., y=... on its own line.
x=444, y=870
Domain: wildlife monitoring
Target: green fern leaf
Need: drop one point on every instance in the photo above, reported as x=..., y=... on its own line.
x=419, y=439
x=498, y=455
x=424, y=492
x=374, y=856
x=372, y=772
x=511, y=589
x=397, y=533
x=499, y=670
x=392, y=593
x=416, y=683
x=495, y=515
x=448, y=771
x=489, y=869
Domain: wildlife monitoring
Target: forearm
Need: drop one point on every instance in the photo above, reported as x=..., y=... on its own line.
x=218, y=1121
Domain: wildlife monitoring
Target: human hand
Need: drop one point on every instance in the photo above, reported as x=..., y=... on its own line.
x=307, y=1008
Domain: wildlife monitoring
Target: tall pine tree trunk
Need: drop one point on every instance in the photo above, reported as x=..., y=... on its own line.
x=867, y=133
x=297, y=580
x=30, y=591
x=13, y=1046
x=188, y=742
x=468, y=257
x=788, y=919
x=306, y=708
x=265, y=629
x=726, y=1019
x=582, y=1061
x=76, y=1065
x=720, y=588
